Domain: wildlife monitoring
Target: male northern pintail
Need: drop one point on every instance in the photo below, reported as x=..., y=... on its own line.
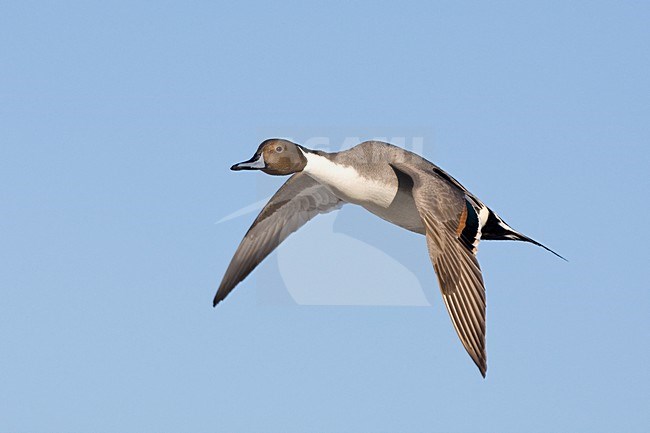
x=396, y=185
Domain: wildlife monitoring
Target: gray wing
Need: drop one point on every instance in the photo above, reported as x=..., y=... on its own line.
x=300, y=199
x=443, y=209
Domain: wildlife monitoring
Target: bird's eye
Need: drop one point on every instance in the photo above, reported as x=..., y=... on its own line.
x=279, y=149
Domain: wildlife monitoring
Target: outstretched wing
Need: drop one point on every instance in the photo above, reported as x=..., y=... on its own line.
x=300, y=199
x=444, y=209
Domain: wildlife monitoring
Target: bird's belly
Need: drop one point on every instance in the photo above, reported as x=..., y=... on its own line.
x=367, y=194
x=379, y=195
x=401, y=212
x=387, y=202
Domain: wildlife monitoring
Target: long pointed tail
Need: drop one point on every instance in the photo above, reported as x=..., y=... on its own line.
x=516, y=236
x=497, y=230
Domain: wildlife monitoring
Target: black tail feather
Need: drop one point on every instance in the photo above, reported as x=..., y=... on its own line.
x=519, y=237
x=495, y=229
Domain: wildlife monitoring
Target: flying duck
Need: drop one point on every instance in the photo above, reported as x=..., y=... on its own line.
x=396, y=185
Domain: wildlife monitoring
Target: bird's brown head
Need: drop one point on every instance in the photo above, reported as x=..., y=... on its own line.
x=275, y=156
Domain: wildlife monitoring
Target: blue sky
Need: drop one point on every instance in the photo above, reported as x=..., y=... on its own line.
x=119, y=121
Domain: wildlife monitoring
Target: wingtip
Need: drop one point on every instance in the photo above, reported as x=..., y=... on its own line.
x=482, y=367
x=219, y=296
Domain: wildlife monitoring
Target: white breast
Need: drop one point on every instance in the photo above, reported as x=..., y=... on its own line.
x=347, y=183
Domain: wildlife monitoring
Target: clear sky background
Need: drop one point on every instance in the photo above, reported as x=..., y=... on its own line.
x=119, y=121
